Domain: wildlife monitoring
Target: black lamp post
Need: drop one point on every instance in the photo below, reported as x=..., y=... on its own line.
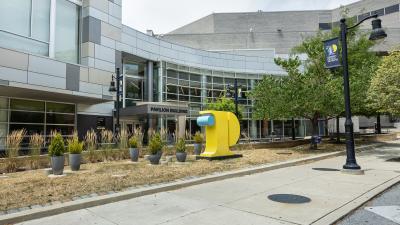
x=116, y=88
x=377, y=33
x=236, y=96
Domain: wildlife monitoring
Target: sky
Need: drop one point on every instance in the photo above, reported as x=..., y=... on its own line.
x=163, y=16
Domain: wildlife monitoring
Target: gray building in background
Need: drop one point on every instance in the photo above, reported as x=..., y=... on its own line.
x=281, y=31
x=57, y=58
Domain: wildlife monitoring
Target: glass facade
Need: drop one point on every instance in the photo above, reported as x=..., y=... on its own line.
x=67, y=32
x=35, y=116
x=134, y=83
x=196, y=86
x=25, y=26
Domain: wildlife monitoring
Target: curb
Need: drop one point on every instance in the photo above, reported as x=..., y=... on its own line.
x=78, y=204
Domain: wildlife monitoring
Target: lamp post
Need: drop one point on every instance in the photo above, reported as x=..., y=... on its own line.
x=377, y=33
x=116, y=88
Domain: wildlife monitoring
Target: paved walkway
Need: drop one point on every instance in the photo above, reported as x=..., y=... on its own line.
x=244, y=200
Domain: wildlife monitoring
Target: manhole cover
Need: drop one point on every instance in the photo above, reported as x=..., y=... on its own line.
x=325, y=169
x=288, y=198
x=393, y=160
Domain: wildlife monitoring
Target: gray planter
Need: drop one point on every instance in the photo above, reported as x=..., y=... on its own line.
x=134, y=153
x=75, y=161
x=155, y=159
x=197, y=148
x=57, y=165
x=181, y=156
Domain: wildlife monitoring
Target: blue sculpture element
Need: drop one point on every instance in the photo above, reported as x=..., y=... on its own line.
x=206, y=120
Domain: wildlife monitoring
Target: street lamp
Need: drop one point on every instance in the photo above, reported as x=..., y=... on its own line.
x=377, y=33
x=116, y=88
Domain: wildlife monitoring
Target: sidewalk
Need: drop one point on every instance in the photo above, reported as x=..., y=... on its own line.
x=244, y=200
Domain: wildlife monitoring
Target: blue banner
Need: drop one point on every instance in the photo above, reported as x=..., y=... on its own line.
x=331, y=49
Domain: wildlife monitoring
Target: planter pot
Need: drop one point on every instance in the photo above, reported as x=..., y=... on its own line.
x=57, y=165
x=75, y=161
x=181, y=156
x=155, y=159
x=134, y=153
x=197, y=148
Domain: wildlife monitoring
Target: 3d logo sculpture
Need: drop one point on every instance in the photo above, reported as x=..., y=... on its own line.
x=222, y=131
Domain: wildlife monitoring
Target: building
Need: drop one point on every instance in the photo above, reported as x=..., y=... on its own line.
x=57, y=59
x=252, y=33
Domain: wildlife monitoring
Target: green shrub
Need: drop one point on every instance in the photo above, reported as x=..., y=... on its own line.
x=198, y=137
x=180, y=145
x=75, y=146
x=56, y=147
x=133, y=142
x=156, y=144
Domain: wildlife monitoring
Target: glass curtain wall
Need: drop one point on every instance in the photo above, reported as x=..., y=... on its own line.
x=67, y=31
x=134, y=81
x=197, y=86
x=35, y=116
x=25, y=26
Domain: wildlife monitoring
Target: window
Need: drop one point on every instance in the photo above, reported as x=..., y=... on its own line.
x=41, y=20
x=325, y=26
x=25, y=25
x=134, y=88
x=15, y=17
x=392, y=9
x=67, y=31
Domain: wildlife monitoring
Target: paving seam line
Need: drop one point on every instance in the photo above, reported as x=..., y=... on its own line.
x=341, y=212
x=125, y=195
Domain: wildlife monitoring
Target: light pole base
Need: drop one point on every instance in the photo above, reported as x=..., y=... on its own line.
x=353, y=171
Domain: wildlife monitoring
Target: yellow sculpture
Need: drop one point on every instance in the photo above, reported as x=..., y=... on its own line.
x=222, y=131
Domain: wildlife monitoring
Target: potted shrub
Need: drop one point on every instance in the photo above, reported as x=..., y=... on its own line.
x=198, y=143
x=75, y=148
x=181, y=150
x=56, y=152
x=155, y=147
x=133, y=148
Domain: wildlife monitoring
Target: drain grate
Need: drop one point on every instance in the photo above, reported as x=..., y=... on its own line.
x=289, y=198
x=393, y=160
x=326, y=169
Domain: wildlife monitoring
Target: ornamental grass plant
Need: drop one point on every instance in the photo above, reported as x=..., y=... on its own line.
x=36, y=142
x=13, y=145
x=91, y=145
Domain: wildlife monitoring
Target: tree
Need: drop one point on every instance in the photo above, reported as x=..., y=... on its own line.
x=384, y=92
x=310, y=90
x=224, y=104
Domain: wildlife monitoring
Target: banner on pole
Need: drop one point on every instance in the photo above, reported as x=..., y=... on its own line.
x=331, y=50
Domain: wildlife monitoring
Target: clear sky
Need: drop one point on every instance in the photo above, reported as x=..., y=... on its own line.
x=163, y=16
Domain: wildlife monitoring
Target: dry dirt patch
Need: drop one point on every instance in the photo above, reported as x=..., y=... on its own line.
x=35, y=188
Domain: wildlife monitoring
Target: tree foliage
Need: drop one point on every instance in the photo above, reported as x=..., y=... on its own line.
x=384, y=92
x=310, y=90
x=224, y=104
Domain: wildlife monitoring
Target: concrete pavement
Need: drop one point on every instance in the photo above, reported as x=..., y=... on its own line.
x=244, y=200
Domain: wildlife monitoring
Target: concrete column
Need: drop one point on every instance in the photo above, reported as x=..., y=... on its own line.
x=149, y=79
x=181, y=126
x=253, y=129
x=160, y=95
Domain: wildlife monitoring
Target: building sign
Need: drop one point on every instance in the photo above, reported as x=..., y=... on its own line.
x=101, y=123
x=166, y=109
x=331, y=49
